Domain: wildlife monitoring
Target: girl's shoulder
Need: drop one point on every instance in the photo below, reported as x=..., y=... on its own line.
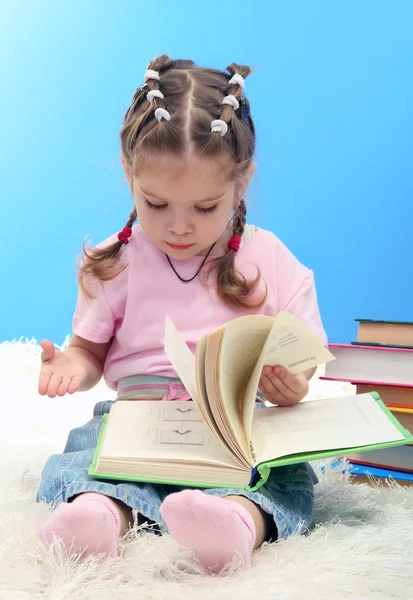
x=268, y=250
x=138, y=256
x=257, y=238
x=135, y=240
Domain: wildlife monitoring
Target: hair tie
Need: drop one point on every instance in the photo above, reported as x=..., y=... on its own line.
x=125, y=234
x=237, y=79
x=218, y=125
x=245, y=112
x=234, y=242
x=161, y=113
x=154, y=94
x=232, y=101
x=151, y=74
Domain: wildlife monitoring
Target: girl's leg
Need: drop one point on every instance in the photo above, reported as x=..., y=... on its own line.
x=218, y=530
x=260, y=518
x=90, y=523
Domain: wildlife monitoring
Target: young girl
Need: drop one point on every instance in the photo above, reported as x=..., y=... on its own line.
x=188, y=143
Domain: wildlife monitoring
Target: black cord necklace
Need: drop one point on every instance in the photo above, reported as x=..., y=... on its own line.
x=197, y=273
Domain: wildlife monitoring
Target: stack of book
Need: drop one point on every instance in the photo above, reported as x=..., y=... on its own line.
x=381, y=360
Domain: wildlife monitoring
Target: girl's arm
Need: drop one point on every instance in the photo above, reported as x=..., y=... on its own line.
x=92, y=356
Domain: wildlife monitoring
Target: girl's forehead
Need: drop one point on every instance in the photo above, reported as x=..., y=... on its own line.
x=185, y=190
x=176, y=169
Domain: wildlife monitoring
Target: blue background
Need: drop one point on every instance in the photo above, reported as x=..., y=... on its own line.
x=332, y=99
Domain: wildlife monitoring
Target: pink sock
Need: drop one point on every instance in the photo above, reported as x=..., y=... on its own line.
x=89, y=524
x=215, y=529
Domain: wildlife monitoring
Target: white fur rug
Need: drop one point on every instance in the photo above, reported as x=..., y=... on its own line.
x=361, y=545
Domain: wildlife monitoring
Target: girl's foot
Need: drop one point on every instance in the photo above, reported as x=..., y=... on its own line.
x=89, y=524
x=215, y=529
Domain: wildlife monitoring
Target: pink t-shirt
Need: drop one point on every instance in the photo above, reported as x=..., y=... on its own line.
x=132, y=307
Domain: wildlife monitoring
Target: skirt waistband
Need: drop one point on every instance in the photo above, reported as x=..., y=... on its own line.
x=147, y=387
x=151, y=387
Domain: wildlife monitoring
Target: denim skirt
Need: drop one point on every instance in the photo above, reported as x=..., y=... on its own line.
x=287, y=497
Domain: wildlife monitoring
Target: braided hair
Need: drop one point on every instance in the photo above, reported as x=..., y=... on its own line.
x=182, y=107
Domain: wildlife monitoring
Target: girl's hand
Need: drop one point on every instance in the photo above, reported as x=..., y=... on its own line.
x=59, y=374
x=280, y=387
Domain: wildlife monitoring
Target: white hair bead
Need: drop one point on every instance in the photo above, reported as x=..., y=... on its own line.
x=220, y=126
x=154, y=94
x=161, y=113
x=232, y=101
x=237, y=79
x=150, y=74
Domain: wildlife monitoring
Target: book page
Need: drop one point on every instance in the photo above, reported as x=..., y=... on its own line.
x=204, y=406
x=327, y=424
x=182, y=359
x=293, y=346
x=289, y=344
x=241, y=346
x=168, y=430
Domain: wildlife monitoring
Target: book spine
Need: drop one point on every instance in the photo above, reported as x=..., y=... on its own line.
x=255, y=477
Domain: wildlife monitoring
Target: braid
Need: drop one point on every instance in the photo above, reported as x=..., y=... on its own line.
x=233, y=287
x=157, y=100
x=138, y=119
x=103, y=263
x=239, y=218
x=235, y=102
x=132, y=217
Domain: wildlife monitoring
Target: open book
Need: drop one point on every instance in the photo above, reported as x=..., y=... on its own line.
x=220, y=438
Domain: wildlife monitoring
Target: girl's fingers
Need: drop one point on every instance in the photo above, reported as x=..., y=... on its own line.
x=53, y=386
x=49, y=351
x=295, y=383
x=270, y=392
x=44, y=379
x=281, y=387
x=63, y=386
x=274, y=395
x=74, y=384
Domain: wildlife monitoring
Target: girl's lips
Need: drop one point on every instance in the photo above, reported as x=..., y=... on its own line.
x=179, y=246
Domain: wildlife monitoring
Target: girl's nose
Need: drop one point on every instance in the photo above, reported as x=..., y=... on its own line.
x=180, y=225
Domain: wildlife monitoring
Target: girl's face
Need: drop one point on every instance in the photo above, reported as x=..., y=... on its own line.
x=185, y=209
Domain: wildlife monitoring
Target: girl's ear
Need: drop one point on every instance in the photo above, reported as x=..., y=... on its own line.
x=126, y=169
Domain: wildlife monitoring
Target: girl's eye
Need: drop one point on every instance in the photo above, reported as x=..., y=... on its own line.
x=210, y=209
x=155, y=206
x=152, y=206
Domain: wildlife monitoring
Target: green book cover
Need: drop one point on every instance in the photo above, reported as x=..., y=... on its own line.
x=380, y=345
x=383, y=321
x=261, y=472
